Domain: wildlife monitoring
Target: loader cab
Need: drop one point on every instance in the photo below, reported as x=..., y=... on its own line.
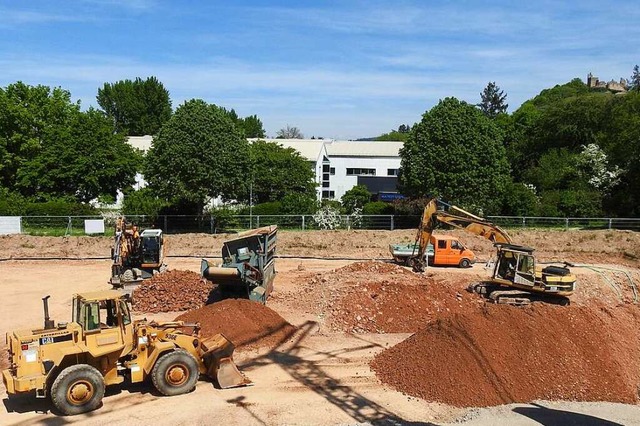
x=151, y=243
x=105, y=320
x=515, y=264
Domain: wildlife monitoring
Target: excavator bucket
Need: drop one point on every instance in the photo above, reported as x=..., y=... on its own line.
x=218, y=359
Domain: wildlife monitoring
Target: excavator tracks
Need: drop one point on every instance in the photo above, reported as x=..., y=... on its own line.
x=503, y=295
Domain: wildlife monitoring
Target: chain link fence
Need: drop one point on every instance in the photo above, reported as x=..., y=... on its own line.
x=177, y=224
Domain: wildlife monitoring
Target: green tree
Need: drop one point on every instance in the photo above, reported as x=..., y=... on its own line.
x=252, y=126
x=29, y=116
x=355, y=198
x=85, y=160
x=142, y=202
x=278, y=171
x=199, y=154
x=138, y=107
x=50, y=149
x=456, y=153
x=634, y=82
x=289, y=132
x=493, y=100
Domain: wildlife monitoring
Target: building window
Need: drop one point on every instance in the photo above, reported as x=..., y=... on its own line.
x=392, y=172
x=325, y=176
x=325, y=184
x=328, y=195
x=360, y=172
x=325, y=168
x=333, y=170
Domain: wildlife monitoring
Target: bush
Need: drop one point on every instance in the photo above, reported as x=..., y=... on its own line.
x=11, y=203
x=355, y=198
x=269, y=208
x=297, y=203
x=224, y=219
x=377, y=207
x=59, y=208
x=142, y=202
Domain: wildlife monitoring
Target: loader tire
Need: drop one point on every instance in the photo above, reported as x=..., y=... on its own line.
x=175, y=373
x=77, y=389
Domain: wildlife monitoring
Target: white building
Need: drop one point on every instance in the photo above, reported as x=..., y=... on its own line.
x=338, y=165
x=341, y=165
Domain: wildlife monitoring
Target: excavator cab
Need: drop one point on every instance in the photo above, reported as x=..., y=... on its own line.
x=515, y=264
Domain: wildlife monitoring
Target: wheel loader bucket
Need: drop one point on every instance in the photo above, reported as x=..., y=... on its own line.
x=218, y=359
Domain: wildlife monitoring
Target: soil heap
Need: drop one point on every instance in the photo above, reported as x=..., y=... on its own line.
x=247, y=324
x=502, y=354
x=377, y=297
x=171, y=291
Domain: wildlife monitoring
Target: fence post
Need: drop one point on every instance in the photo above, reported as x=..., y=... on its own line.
x=566, y=223
x=524, y=222
x=211, y=219
x=257, y=221
x=303, y=222
x=610, y=220
x=348, y=223
x=165, y=223
x=392, y=222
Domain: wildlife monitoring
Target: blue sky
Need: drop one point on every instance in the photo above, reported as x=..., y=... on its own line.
x=337, y=69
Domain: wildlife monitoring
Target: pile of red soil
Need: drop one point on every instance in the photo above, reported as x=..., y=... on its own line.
x=247, y=324
x=171, y=291
x=501, y=354
x=377, y=297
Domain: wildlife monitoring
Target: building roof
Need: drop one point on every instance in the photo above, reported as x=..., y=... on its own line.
x=141, y=142
x=364, y=149
x=308, y=148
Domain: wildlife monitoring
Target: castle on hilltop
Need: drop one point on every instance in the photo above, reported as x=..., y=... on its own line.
x=613, y=86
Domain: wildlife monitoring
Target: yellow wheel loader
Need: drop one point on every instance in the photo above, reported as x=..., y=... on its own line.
x=515, y=268
x=73, y=362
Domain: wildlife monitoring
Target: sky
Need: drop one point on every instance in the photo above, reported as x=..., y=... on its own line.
x=334, y=69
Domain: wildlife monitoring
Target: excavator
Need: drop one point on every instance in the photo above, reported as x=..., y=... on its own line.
x=136, y=255
x=72, y=362
x=516, y=278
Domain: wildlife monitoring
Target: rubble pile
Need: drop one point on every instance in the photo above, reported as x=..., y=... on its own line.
x=171, y=291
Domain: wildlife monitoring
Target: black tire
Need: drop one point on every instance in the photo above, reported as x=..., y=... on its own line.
x=77, y=389
x=464, y=263
x=175, y=373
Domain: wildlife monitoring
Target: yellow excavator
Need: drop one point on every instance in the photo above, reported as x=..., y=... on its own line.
x=102, y=345
x=515, y=266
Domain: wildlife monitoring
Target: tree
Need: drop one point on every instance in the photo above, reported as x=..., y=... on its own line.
x=138, y=107
x=49, y=148
x=289, y=133
x=199, y=154
x=634, y=82
x=493, y=100
x=85, y=160
x=455, y=153
x=252, y=126
x=278, y=172
x=355, y=198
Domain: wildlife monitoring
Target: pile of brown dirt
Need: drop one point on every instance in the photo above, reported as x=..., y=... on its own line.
x=501, y=354
x=377, y=297
x=171, y=291
x=247, y=324
x=4, y=359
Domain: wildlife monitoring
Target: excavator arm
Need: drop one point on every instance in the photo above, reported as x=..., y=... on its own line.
x=431, y=217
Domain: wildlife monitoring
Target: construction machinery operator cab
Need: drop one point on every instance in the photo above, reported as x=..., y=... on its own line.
x=151, y=245
x=516, y=264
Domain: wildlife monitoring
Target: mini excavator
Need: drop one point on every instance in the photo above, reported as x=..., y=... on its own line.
x=516, y=276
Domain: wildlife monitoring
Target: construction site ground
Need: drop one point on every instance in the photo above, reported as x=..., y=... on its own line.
x=348, y=314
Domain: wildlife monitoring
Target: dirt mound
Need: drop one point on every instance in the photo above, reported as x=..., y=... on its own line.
x=4, y=358
x=377, y=297
x=247, y=324
x=501, y=354
x=171, y=291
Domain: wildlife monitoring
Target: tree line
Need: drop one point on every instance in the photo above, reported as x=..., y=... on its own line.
x=569, y=151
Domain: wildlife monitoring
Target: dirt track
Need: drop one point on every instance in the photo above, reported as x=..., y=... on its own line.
x=320, y=375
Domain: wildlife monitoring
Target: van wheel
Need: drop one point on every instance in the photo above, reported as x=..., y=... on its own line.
x=464, y=263
x=78, y=389
x=175, y=373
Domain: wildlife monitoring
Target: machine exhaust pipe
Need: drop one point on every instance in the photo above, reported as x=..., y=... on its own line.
x=48, y=322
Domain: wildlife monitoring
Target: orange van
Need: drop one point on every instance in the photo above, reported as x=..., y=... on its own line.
x=447, y=250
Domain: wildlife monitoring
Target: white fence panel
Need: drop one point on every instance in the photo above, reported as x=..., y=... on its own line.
x=10, y=225
x=94, y=226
